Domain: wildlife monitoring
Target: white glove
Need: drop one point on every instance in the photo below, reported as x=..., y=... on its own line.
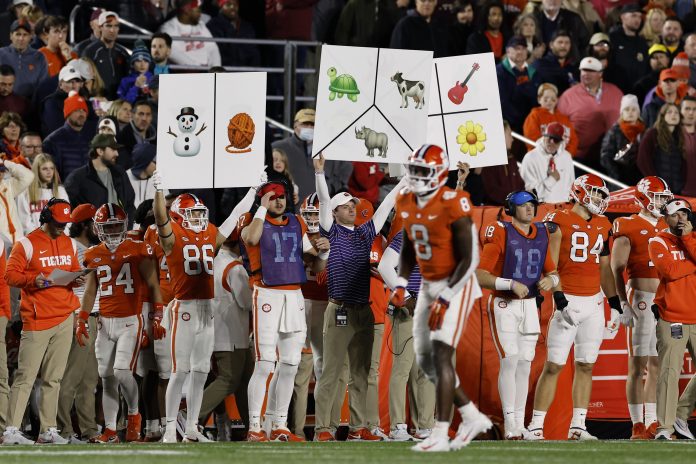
x=614, y=321
x=626, y=318
x=570, y=316
x=157, y=181
x=264, y=176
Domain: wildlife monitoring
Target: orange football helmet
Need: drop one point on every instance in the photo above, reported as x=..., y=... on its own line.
x=652, y=193
x=190, y=212
x=310, y=206
x=428, y=167
x=590, y=191
x=111, y=224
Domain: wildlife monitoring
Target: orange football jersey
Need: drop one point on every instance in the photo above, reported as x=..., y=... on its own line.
x=378, y=295
x=638, y=231
x=429, y=228
x=152, y=239
x=582, y=243
x=191, y=263
x=495, y=247
x=119, y=283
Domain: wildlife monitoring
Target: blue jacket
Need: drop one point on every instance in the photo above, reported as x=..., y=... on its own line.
x=69, y=148
x=30, y=68
x=128, y=91
x=517, y=92
x=549, y=70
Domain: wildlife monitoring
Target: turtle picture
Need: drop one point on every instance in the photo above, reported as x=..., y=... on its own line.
x=342, y=85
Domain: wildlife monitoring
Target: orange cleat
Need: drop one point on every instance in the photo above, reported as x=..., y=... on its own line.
x=639, y=432
x=109, y=436
x=257, y=436
x=324, y=436
x=133, y=429
x=285, y=435
x=651, y=431
x=362, y=434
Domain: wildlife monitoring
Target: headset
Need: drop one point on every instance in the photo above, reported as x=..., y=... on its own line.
x=517, y=198
x=46, y=216
x=689, y=212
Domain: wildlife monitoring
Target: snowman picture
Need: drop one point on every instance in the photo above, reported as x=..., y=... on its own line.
x=187, y=143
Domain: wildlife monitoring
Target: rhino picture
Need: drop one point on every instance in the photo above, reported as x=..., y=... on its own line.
x=373, y=141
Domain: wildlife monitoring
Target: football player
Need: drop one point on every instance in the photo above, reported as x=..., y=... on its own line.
x=124, y=268
x=516, y=264
x=580, y=248
x=439, y=236
x=629, y=254
x=189, y=244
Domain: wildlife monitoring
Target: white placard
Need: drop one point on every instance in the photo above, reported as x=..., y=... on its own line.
x=194, y=149
x=464, y=115
x=372, y=104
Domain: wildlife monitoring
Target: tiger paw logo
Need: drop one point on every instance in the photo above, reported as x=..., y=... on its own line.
x=266, y=308
x=185, y=317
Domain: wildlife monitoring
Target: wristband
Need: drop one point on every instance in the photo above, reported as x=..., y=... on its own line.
x=503, y=284
x=446, y=294
x=83, y=316
x=615, y=303
x=158, y=307
x=555, y=279
x=261, y=213
x=318, y=173
x=324, y=255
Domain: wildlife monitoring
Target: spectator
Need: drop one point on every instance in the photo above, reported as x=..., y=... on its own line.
x=29, y=65
x=289, y=19
x=587, y=13
x=45, y=185
x=489, y=36
x=545, y=114
x=30, y=145
x=107, y=125
x=500, y=180
x=51, y=108
x=668, y=91
x=101, y=180
x=160, y=49
x=11, y=126
x=556, y=67
x=14, y=9
x=526, y=26
x=630, y=50
x=419, y=31
x=690, y=50
x=660, y=151
x=154, y=98
x=229, y=25
x=47, y=320
x=462, y=28
x=600, y=48
x=593, y=107
x=10, y=101
x=16, y=178
x=57, y=51
x=96, y=32
x=69, y=144
x=672, y=32
x=110, y=58
x=280, y=171
x=688, y=123
x=551, y=17
x=652, y=27
x=298, y=148
x=187, y=23
x=122, y=111
x=659, y=60
x=367, y=23
x=93, y=81
x=517, y=83
x=140, y=175
x=136, y=84
x=548, y=169
x=139, y=130
x=365, y=181
x=621, y=142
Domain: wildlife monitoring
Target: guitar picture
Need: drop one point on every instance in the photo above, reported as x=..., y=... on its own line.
x=456, y=93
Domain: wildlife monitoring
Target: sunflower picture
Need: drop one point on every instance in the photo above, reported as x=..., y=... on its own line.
x=471, y=137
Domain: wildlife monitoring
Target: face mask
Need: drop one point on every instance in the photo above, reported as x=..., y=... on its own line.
x=307, y=134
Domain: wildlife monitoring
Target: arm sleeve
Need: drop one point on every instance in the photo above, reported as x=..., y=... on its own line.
x=24, y=213
x=17, y=275
x=689, y=242
x=387, y=267
x=382, y=213
x=242, y=207
x=666, y=266
x=236, y=281
x=533, y=178
x=325, y=216
x=21, y=177
x=531, y=128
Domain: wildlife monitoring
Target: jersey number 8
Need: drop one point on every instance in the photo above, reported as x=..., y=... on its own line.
x=420, y=238
x=579, y=244
x=198, y=260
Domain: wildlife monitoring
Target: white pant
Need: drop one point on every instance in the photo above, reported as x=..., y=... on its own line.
x=146, y=358
x=118, y=343
x=191, y=335
x=587, y=335
x=642, y=337
x=514, y=326
x=278, y=312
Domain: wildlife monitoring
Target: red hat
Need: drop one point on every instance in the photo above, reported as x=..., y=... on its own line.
x=60, y=212
x=83, y=212
x=276, y=187
x=555, y=130
x=363, y=212
x=73, y=103
x=669, y=73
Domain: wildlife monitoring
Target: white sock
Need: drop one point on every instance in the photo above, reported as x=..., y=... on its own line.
x=194, y=398
x=271, y=403
x=537, y=421
x=509, y=418
x=507, y=388
x=283, y=394
x=578, y=421
x=172, y=399
x=650, y=413
x=521, y=390
x=256, y=392
x=468, y=411
x=636, y=412
x=110, y=401
x=441, y=429
x=129, y=389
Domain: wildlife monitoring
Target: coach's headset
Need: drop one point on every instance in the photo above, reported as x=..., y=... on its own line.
x=46, y=216
x=518, y=198
x=682, y=204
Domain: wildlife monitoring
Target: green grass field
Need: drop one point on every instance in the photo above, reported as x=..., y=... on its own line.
x=603, y=452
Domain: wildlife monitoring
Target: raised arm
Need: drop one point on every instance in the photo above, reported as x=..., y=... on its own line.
x=226, y=228
x=325, y=214
x=382, y=213
x=162, y=221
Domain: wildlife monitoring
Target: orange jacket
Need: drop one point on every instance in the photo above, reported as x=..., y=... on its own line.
x=37, y=253
x=540, y=117
x=675, y=261
x=4, y=288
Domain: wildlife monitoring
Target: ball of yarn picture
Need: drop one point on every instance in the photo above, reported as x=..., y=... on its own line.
x=240, y=132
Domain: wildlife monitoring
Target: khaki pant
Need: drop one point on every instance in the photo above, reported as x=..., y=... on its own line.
x=4, y=375
x=371, y=414
x=78, y=386
x=355, y=340
x=687, y=400
x=46, y=350
x=671, y=354
x=405, y=371
x=234, y=369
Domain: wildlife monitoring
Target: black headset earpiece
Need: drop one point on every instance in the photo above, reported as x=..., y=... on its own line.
x=45, y=216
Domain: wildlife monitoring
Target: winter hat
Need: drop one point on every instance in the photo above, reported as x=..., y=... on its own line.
x=681, y=65
x=73, y=103
x=140, y=52
x=143, y=155
x=629, y=100
x=107, y=121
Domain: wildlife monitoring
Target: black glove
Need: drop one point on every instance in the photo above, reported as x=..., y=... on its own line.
x=615, y=303
x=560, y=300
x=539, y=301
x=656, y=311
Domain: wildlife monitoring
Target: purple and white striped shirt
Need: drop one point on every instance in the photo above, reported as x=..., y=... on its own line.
x=348, y=267
x=414, y=280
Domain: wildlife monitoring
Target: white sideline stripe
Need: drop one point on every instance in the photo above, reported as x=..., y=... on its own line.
x=624, y=351
x=624, y=377
x=54, y=452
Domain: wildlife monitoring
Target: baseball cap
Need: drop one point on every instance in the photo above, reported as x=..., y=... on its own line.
x=143, y=155
x=669, y=73
x=22, y=2
x=82, y=67
x=68, y=73
x=598, y=37
x=631, y=8
x=516, y=41
x=590, y=63
x=104, y=141
x=107, y=122
x=676, y=205
x=277, y=188
x=95, y=14
x=364, y=211
x=105, y=15
x=341, y=199
x=20, y=24
x=83, y=212
x=555, y=130
x=60, y=212
x=658, y=48
x=304, y=115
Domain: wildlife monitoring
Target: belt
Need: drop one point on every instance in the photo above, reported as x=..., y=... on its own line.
x=348, y=305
